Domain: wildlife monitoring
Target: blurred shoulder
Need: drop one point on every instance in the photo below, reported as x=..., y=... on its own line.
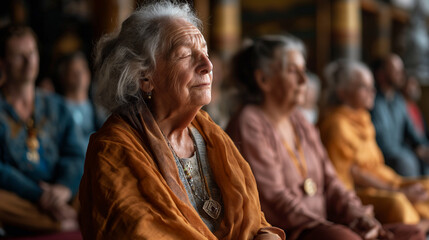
x=115, y=128
x=252, y=115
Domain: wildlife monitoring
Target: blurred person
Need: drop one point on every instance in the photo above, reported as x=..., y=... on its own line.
x=41, y=161
x=403, y=149
x=309, y=108
x=299, y=190
x=46, y=85
x=349, y=137
x=160, y=168
x=412, y=92
x=73, y=80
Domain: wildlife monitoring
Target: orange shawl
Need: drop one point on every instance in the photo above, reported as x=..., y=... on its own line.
x=131, y=187
x=349, y=138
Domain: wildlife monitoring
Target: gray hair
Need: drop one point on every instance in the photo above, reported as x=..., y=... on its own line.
x=259, y=54
x=128, y=55
x=339, y=75
x=286, y=42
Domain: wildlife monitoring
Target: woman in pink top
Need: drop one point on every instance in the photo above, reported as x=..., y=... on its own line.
x=298, y=188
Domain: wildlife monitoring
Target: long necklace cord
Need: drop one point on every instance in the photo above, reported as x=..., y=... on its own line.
x=210, y=206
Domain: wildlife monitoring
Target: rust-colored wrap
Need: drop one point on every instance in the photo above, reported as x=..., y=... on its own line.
x=131, y=187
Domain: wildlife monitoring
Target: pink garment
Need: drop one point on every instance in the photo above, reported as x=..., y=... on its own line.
x=280, y=183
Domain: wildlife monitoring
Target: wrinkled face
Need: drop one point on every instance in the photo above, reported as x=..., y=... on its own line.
x=361, y=92
x=77, y=75
x=288, y=79
x=21, y=59
x=183, y=75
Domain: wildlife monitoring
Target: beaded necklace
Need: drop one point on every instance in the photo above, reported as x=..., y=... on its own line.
x=210, y=206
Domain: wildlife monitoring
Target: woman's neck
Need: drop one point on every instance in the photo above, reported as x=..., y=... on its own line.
x=174, y=126
x=280, y=118
x=274, y=113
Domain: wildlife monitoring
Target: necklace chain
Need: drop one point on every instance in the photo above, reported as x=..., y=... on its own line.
x=187, y=168
x=210, y=206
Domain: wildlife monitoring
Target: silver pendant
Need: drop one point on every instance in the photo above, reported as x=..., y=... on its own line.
x=212, y=208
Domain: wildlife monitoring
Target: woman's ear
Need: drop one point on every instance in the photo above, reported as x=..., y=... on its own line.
x=146, y=84
x=261, y=80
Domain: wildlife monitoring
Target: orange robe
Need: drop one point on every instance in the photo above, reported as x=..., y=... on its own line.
x=349, y=137
x=125, y=192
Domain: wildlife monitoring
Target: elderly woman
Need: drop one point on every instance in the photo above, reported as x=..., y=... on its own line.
x=299, y=190
x=159, y=168
x=349, y=137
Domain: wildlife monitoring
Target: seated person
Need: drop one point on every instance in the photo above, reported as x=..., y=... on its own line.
x=299, y=190
x=73, y=82
x=411, y=90
x=160, y=168
x=349, y=137
x=403, y=149
x=41, y=159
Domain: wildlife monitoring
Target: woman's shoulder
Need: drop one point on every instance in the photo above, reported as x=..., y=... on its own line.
x=117, y=144
x=252, y=115
x=332, y=118
x=115, y=129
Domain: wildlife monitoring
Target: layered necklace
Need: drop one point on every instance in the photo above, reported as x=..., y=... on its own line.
x=210, y=206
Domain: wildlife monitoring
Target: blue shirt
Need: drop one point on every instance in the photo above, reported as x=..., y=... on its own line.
x=83, y=116
x=61, y=153
x=394, y=130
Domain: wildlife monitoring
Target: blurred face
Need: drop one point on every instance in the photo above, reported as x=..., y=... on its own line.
x=183, y=76
x=412, y=89
x=77, y=76
x=21, y=59
x=361, y=92
x=287, y=82
x=395, y=71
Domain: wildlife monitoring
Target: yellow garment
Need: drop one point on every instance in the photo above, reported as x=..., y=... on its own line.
x=127, y=193
x=349, y=137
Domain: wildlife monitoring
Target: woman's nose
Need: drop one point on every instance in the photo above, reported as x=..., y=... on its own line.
x=205, y=66
x=302, y=77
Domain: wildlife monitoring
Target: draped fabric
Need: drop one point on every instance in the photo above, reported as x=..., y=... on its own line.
x=349, y=137
x=131, y=187
x=280, y=183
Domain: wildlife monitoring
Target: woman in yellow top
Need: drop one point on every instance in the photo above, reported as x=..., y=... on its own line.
x=349, y=136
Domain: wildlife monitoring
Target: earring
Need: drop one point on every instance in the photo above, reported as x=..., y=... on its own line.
x=149, y=95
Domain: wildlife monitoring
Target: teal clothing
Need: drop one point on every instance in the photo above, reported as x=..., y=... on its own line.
x=60, y=151
x=396, y=136
x=87, y=117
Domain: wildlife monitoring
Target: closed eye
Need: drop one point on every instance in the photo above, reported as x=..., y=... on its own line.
x=185, y=56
